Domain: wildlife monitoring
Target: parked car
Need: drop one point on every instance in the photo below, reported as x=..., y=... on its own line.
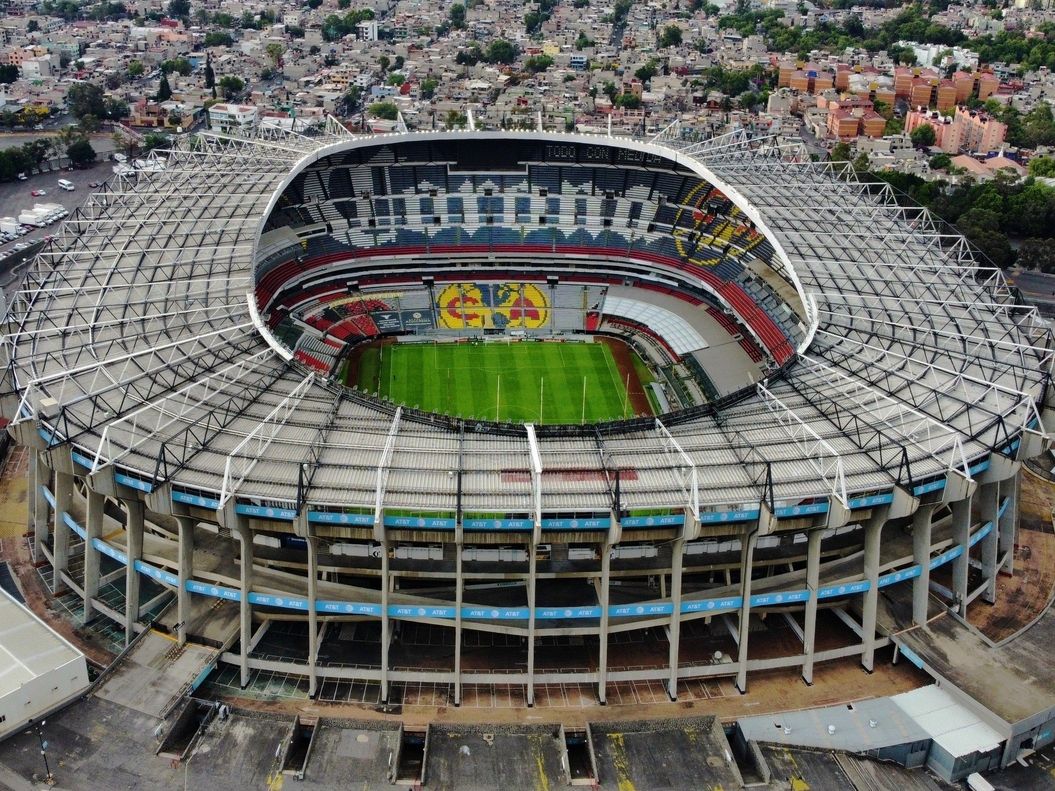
x=38, y=193
x=94, y=184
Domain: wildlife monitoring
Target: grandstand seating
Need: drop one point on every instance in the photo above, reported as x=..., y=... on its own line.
x=672, y=221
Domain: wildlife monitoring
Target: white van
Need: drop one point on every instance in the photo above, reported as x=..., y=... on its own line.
x=67, y=185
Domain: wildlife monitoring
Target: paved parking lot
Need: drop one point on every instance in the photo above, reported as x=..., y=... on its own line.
x=15, y=197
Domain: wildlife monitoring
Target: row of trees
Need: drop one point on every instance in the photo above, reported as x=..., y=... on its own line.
x=34, y=153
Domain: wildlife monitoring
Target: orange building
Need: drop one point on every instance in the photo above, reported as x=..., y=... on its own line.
x=988, y=84
x=852, y=116
x=964, y=82
x=946, y=95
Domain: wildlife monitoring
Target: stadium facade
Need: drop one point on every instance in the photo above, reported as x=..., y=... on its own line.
x=171, y=363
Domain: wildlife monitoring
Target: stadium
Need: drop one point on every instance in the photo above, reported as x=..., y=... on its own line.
x=512, y=409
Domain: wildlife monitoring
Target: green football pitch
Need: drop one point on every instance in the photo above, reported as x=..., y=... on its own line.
x=500, y=381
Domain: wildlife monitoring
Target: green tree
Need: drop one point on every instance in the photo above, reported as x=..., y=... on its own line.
x=646, y=72
x=353, y=98
x=8, y=74
x=501, y=51
x=274, y=51
x=33, y=26
x=455, y=120
x=217, y=38
x=395, y=78
x=164, y=90
x=135, y=69
x=210, y=75
x=180, y=66
x=538, y=63
x=428, y=87
x=940, y=162
x=384, y=62
x=231, y=86
x=179, y=9
x=1038, y=254
x=457, y=16
x=116, y=109
x=81, y=153
x=840, y=152
x=152, y=140
x=85, y=99
x=533, y=21
x=628, y=101
x=1042, y=167
x=923, y=136
x=670, y=37
x=385, y=110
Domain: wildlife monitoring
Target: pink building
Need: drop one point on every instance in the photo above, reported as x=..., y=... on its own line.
x=967, y=130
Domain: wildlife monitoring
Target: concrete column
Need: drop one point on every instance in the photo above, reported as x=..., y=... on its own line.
x=386, y=629
x=602, y=657
x=676, y=561
x=60, y=548
x=313, y=616
x=921, y=541
x=185, y=573
x=870, y=600
x=813, y=573
x=93, y=529
x=961, y=533
x=459, y=591
x=988, y=508
x=39, y=514
x=1009, y=522
x=532, y=567
x=245, y=610
x=134, y=549
x=747, y=559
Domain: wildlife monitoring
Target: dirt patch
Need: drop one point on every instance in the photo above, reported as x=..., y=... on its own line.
x=1023, y=596
x=639, y=402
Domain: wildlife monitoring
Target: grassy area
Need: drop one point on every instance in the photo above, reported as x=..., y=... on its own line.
x=500, y=381
x=646, y=377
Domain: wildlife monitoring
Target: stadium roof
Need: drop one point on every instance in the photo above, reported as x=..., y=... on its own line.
x=136, y=342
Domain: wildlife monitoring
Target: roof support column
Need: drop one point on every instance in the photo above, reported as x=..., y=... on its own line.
x=921, y=541
x=809, y=633
x=961, y=533
x=1009, y=522
x=747, y=559
x=531, y=588
x=988, y=507
x=60, y=546
x=459, y=593
x=602, y=633
x=870, y=599
x=313, y=614
x=240, y=528
x=677, y=556
x=93, y=529
x=134, y=521
x=38, y=512
x=184, y=575
x=386, y=627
